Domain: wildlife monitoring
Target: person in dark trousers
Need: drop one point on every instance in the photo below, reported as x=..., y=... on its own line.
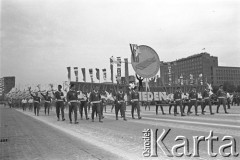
x=59, y=102
x=47, y=102
x=36, y=102
x=83, y=104
x=193, y=96
x=72, y=99
x=178, y=101
x=135, y=102
x=140, y=85
x=207, y=100
x=121, y=104
x=222, y=98
x=95, y=100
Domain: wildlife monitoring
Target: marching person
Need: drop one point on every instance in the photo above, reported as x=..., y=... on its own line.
x=207, y=100
x=120, y=105
x=178, y=101
x=135, y=102
x=24, y=104
x=30, y=104
x=72, y=100
x=47, y=102
x=83, y=104
x=222, y=98
x=59, y=102
x=193, y=96
x=95, y=100
x=140, y=84
x=36, y=102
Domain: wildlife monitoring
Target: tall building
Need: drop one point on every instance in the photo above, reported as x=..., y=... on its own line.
x=6, y=84
x=197, y=69
x=223, y=74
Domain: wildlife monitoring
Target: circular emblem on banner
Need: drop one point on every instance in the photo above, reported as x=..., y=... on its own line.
x=145, y=61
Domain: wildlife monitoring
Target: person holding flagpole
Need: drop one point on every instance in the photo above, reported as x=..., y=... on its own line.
x=59, y=102
x=36, y=103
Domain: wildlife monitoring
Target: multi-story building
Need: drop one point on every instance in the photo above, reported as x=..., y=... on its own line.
x=223, y=74
x=197, y=69
x=6, y=84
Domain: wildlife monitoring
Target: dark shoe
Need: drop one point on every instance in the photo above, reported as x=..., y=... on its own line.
x=196, y=114
x=92, y=120
x=163, y=114
x=203, y=113
x=100, y=121
x=63, y=119
x=116, y=118
x=58, y=119
x=76, y=122
x=87, y=118
x=212, y=113
x=183, y=115
x=139, y=117
x=175, y=114
x=125, y=119
x=226, y=113
x=133, y=118
x=71, y=122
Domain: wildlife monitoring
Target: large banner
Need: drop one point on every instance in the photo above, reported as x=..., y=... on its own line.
x=145, y=60
x=152, y=96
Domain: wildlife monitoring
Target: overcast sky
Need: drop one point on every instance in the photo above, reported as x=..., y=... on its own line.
x=40, y=38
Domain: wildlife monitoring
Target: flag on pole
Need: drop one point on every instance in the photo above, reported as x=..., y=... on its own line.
x=126, y=71
x=76, y=73
x=104, y=74
x=69, y=73
x=119, y=69
x=97, y=74
x=84, y=74
x=91, y=74
x=111, y=68
x=135, y=52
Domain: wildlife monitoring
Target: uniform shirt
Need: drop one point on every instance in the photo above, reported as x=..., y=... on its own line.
x=120, y=96
x=30, y=101
x=134, y=95
x=177, y=95
x=72, y=95
x=221, y=93
x=193, y=95
x=95, y=96
x=24, y=101
x=206, y=94
x=58, y=95
x=82, y=96
x=36, y=98
x=46, y=97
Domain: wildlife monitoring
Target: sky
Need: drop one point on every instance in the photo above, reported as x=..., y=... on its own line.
x=40, y=38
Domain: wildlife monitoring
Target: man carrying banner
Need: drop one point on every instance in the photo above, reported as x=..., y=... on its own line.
x=72, y=100
x=95, y=100
x=36, y=104
x=222, y=98
x=178, y=101
x=193, y=96
x=83, y=104
x=121, y=104
x=135, y=102
x=207, y=101
x=47, y=103
x=59, y=102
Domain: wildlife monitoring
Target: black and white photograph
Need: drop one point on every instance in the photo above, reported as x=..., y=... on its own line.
x=120, y=79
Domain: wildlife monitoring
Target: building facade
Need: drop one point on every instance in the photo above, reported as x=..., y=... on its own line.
x=223, y=74
x=197, y=69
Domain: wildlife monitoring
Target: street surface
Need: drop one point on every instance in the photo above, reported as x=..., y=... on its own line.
x=43, y=137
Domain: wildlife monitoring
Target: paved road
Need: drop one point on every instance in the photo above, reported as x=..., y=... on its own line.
x=30, y=139
x=125, y=138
